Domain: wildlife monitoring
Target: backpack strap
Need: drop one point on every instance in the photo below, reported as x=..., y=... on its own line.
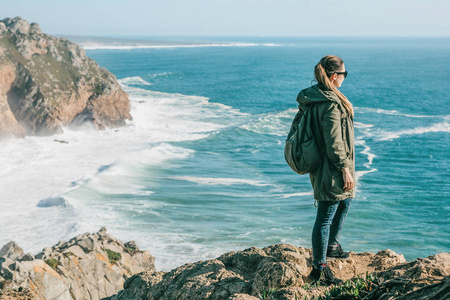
x=305, y=119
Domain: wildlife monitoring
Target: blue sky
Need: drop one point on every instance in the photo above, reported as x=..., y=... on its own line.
x=235, y=17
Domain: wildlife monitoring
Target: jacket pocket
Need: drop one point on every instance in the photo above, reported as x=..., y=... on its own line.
x=344, y=131
x=337, y=182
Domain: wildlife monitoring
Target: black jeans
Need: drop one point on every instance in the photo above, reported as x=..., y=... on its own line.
x=327, y=228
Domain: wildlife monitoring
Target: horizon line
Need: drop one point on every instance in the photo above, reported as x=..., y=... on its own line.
x=259, y=36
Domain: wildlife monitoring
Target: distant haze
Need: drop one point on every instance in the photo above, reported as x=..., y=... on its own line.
x=235, y=17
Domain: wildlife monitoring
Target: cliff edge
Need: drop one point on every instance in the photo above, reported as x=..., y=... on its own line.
x=97, y=266
x=89, y=266
x=48, y=82
x=280, y=272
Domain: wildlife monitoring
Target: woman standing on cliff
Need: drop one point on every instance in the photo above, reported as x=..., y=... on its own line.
x=333, y=182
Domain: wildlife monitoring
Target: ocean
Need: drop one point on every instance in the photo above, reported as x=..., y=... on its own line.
x=200, y=169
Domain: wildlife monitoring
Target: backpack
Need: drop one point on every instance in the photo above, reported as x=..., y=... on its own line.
x=300, y=150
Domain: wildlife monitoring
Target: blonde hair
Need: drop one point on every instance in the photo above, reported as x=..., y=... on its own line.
x=326, y=67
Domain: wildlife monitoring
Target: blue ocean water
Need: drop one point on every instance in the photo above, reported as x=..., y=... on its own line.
x=200, y=170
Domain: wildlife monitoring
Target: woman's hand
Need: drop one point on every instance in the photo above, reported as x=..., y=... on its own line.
x=349, y=184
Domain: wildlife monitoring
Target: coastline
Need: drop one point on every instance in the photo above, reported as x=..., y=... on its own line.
x=164, y=174
x=280, y=271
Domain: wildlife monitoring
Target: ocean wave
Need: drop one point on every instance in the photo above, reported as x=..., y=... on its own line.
x=297, y=194
x=155, y=75
x=366, y=151
x=365, y=130
x=75, y=170
x=360, y=174
x=123, y=177
x=362, y=125
x=274, y=123
x=396, y=113
x=134, y=80
x=93, y=46
x=220, y=181
x=370, y=156
x=437, y=127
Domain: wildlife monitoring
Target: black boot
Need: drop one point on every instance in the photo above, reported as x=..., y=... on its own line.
x=337, y=252
x=324, y=275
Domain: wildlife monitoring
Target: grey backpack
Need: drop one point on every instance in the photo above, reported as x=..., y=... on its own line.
x=301, y=151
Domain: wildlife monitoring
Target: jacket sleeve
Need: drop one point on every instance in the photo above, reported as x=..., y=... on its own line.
x=332, y=133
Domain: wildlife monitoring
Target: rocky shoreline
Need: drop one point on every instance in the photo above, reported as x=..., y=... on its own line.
x=89, y=266
x=98, y=266
x=47, y=83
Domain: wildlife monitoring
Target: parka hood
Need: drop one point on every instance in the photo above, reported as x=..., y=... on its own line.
x=315, y=94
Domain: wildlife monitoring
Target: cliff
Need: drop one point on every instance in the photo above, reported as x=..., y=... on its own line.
x=279, y=272
x=48, y=82
x=96, y=266
x=89, y=266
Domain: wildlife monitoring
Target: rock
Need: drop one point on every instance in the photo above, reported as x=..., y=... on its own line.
x=35, y=29
x=27, y=257
x=280, y=272
x=98, y=266
x=7, y=292
x=242, y=297
x=424, y=278
x=87, y=244
x=3, y=28
x=11, y=250
x=7, y=268
x=246, y=274
x=290, y=293
x=89, y=266
x=45, y=254
x=48, y=82
x=17, y=25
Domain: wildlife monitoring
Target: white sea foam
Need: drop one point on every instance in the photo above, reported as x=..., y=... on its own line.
x=274, y=123
x=135, y=80
x=360, y=174
x=365, y=130
x=97, y=46
x=220, y=181
x=271, y=45
x=393, y=112
x=362, y=125
x=159, y=74
x=41, y=177
x=437, y=127
x=366, y=151
x=297, y=194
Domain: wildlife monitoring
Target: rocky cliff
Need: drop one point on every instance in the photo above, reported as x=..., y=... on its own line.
x=89, y=266
x=48, y=82
x=95, y=266
x=279, y=272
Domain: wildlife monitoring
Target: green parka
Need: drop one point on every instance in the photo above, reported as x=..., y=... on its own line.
x=332, y=127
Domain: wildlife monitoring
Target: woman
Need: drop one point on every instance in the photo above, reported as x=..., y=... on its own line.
x=333, y=182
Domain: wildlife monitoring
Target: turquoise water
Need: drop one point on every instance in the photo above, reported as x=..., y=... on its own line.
x=203, y=170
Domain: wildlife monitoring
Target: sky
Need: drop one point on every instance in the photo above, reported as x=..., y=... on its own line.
x=234, y=17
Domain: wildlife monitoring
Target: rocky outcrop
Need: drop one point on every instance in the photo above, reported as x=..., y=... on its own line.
x=48, y=82
x=89, y=266
x=280, y=272
x=422, y=279
x=97, y=266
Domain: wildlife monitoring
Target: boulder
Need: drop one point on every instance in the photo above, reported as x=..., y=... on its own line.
x=422, y=279
x=47, y=83
x=275, y=272
x=98, y=266
x=89, y=266
x=12, y=251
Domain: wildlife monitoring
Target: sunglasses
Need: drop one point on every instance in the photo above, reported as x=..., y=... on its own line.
x=343, y=73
